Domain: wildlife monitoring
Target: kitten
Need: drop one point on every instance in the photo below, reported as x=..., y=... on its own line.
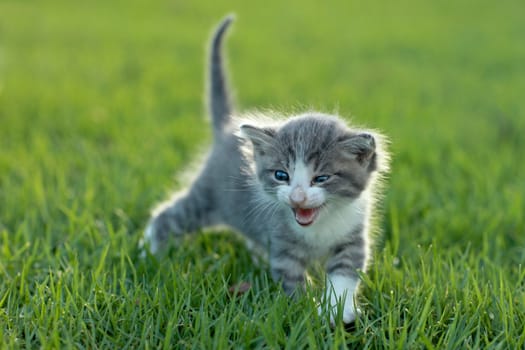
x=303, y=188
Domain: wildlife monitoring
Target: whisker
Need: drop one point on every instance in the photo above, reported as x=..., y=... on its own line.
x=260, y=206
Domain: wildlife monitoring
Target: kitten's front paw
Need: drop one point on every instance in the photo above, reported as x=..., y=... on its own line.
x=350, y=312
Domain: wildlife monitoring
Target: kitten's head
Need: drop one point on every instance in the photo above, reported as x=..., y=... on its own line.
x=311, y=161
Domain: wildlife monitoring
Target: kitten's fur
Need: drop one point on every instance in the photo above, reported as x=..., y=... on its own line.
x=303, y=188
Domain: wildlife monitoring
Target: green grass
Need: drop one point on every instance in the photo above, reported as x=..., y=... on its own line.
x=101, y=104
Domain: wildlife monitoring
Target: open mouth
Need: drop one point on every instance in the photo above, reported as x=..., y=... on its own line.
x=305, y=217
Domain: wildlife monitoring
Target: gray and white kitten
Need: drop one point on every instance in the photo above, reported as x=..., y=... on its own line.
x=302, y=188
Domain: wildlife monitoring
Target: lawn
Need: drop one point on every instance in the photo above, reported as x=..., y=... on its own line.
x=101, y=115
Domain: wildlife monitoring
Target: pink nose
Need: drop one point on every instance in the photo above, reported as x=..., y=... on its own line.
x=298, y=196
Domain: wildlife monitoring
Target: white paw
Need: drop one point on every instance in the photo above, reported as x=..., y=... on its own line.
x=339, y=297
x=148, y=241
x=350, y=312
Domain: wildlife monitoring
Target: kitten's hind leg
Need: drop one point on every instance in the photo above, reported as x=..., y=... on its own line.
x=184, y=213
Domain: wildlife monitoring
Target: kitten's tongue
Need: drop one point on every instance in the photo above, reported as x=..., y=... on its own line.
x=305, y=217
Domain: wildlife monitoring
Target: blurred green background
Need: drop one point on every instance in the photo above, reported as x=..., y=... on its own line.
x=103, y=100
x=101, y=103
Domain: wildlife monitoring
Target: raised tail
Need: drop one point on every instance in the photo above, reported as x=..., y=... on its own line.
x=219, y=99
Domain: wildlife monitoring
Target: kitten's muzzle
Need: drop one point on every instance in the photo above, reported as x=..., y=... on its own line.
x=297, y=197
x=305, y=216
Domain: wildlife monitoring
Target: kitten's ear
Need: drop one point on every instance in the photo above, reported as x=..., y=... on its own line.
x=260, y=137
x=361, y=147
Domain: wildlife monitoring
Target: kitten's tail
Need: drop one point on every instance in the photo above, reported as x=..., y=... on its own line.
x=219, y=99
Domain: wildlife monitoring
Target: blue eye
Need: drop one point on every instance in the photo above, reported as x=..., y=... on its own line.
x=281, y=175
x=320, y=179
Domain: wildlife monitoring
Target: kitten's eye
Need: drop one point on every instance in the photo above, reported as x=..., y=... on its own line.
x=281, y=175
x=320, y=179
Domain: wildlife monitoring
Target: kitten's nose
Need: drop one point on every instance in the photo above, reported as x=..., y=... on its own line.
x=298, y=196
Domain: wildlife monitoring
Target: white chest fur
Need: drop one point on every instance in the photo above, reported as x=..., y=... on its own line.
x=334, y=223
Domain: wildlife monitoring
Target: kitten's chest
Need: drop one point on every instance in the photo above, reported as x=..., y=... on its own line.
x=334, y=227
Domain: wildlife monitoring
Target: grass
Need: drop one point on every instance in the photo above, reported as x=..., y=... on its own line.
x=101, y=103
